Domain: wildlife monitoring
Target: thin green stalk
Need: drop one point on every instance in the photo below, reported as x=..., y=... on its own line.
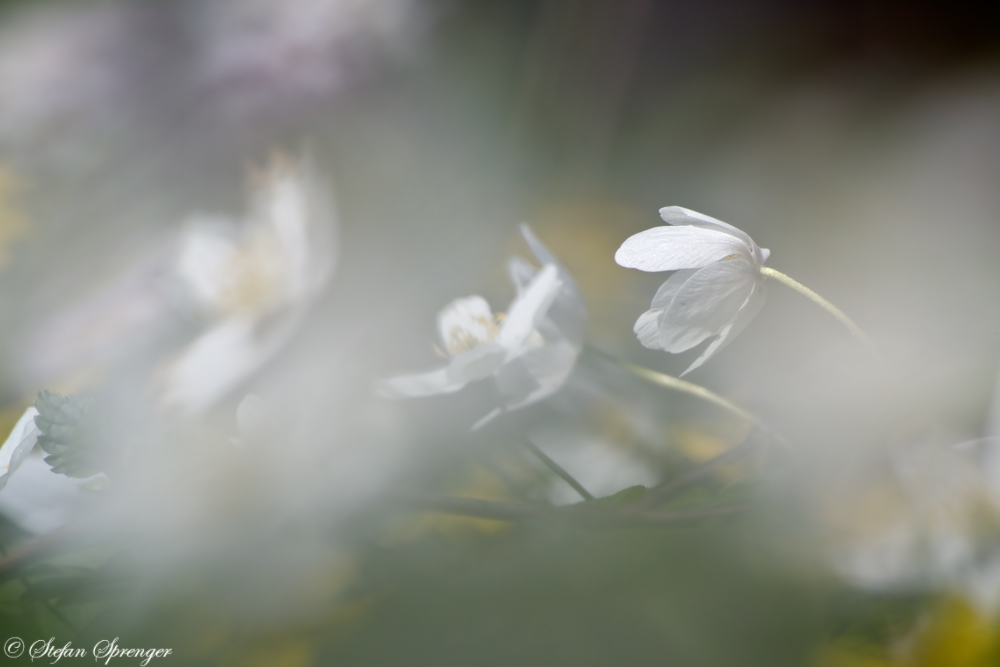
x=686, y=387
x=558, y=469
x=822, y=303
x=543, y=457
x=692, y=389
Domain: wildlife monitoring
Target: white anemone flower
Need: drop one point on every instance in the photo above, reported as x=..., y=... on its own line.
x=717, y=287
x=253, y=280
x=529, y=352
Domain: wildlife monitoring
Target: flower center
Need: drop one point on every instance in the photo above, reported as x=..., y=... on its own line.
x=482, y=330
x=467, y=323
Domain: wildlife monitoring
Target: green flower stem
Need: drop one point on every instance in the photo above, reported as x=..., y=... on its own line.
x=670, y=382
x=823, y=303
x=584, y=514
x=542, y=456
x=557, y=469
x=686, y=387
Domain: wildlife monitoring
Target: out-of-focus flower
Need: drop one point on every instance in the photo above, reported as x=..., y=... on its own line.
x=35, y=498
x=934, y=525
x=19, y=444
x=253, y=280
x=530, y=352
x=238, y=289
x=716, y=290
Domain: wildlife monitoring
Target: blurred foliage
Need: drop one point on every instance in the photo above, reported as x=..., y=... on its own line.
x=579, y=118
x=71, y=434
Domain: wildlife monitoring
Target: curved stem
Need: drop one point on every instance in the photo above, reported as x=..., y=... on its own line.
x=822, y=303
x=558, y=469
x=692, y=389
x=547, y=461
x=686, y=387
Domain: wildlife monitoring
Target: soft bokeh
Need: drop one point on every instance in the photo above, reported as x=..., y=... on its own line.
x=225, y=221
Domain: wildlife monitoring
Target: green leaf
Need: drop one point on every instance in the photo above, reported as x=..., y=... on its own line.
x=623, y=498
x=71, y=434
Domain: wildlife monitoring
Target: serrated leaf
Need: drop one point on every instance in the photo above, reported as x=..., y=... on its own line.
x=623, y=498
x=71, y=434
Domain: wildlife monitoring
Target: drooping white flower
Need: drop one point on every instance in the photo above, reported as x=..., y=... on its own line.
x=253, y=281
x=18, y=445
x=717, y=287
x=529, y=352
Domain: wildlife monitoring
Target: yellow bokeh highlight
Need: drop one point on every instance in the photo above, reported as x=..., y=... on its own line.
x=481, y=485
x=13, y=223
x=953, y=634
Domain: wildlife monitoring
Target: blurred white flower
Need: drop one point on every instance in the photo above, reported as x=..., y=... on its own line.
x=19, y=444
x=934, y=526
x=253, y=280
x=36, y=498
x=530, y=352
x=716, y=290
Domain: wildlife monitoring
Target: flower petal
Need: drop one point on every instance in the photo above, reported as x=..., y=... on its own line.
x=18, y=445
x=223, y=357
x=647, y=328
x=528, y=307
x=678, y=215
x=420, y=384
x=668, y=290
x=568, y=312
x=729, y=333
x=543, y=254
x=670, y=248
x=465, y=323
x=478, y=363
x=747, y=313
x=706, y=303
x=40, y=500
x=533, y=377
x=521, y=272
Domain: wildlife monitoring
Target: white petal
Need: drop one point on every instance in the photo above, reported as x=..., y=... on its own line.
x=533, y=377
x=678, y=215
x=478, y=363
x=537, y=375
x=40, y=500
x=712, y=348
x=670, y=248
x=493, y=414
x=521, y=272
x=705, y=304
x=419, y=384
x=219, y=360
x=19, y=444
x=567, y=313
x=647, y=328
x=668, y=290
x=729, y=333
x=207, y=251
x=540, y=251
x=529, y=307
x=296, y=208
x=466, y=322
